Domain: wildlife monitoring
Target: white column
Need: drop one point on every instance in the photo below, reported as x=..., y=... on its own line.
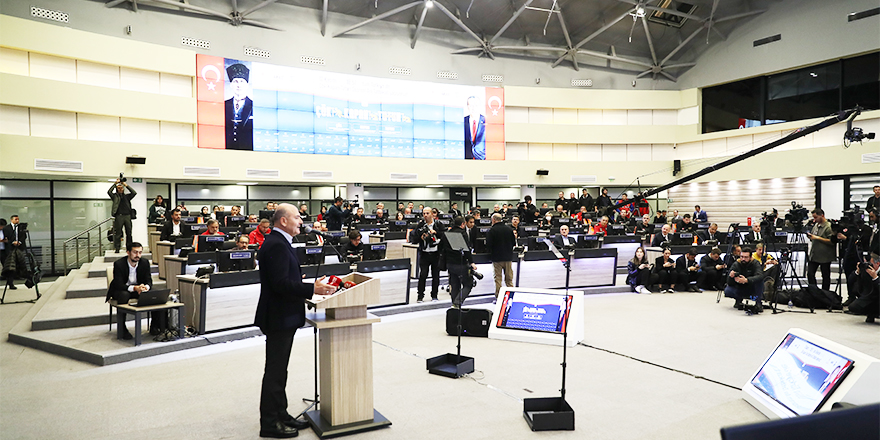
x=526, y=191
x=142, y=204
x=353, y=192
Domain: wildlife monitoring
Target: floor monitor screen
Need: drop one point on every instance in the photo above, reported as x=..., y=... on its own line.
x=801, y=375
x=540, y=312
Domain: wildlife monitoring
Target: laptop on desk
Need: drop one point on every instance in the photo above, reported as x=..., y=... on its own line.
x=151, y=298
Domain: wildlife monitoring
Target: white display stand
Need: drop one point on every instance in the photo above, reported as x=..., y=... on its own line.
x=860, y=387
x=575, y=321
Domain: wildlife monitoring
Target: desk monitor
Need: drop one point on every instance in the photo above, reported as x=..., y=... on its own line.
x=182, y=242
x=196, y=258
x=410, y=216
x=616, y=229
x=588, y=241
x=529, y=231
x=536, y=244
x=658, y=226
x=310, y=254
x=235, y=220
x=781, y=237
x=368, y=227
x=576, y=228
x=801, y=375
x=230, y=229
x=208, y=243
x=446, y=216
x=444, y=222
x=682, y=238
x=191, y=229
x=227, y=245
x=484, y=213
x=370, y=216
x=532, y=311
x=238, y=260
x=559, y=221
x=188, y=219
x=397, y=225
x=375, y=251
x=221, y=216
x=485, y=221
x=266, y=213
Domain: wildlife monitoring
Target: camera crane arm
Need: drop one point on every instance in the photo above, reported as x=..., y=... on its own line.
x=846, y=115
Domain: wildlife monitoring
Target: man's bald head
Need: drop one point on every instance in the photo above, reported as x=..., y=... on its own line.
x=287, y=218
x=497, y=218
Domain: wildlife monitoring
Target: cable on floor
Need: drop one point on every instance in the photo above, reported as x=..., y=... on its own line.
x=695, y=376
x=399, y=350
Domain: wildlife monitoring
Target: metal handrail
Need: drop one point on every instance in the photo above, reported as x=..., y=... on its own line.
x=87, y=234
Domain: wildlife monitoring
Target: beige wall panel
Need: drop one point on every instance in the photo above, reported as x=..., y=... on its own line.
x=94, y=74
x=613, y=153
x=18, y=33
x=138, y=80
x=690, y=97
x=563, y=116
x=53, y=124
x=589, y=117
x=140, y=131
x=14, y=120
x=664, y=117
x=662, y=152
x=638, y=152
x=689, y=116
x=516, y=115
x=740, y=144
x=800, y=143
x=176, y=85
x=14, y=61
x=595, y=99
x=540, y=115
x=613, y=117
x=41, y=93
x=689, y=150
x=52, y=67
x=598, y=134
x=97, y=128
x=173, y=133
x=516, y=151
x=715, y=147
x=590, y=152
x=539, y=151
x=639, y=117
x=565, y=152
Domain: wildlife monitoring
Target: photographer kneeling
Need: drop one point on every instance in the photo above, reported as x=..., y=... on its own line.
x=460, y=264
x=428, y=235
x=868, y=285
x=746, y=280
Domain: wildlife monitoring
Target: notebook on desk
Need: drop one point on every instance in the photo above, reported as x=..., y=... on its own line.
x=151, y=298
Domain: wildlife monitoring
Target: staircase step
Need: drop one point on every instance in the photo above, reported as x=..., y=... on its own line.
x=99, y=270
x=110, y=256
x=90, y=287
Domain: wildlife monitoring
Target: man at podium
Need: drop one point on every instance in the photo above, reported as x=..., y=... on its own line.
x=280, y=311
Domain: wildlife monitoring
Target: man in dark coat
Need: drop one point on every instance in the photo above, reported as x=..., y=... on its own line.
x=131, y=277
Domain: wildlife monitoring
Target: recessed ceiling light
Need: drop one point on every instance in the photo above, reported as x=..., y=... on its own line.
x=246, y=183
x=433, y=186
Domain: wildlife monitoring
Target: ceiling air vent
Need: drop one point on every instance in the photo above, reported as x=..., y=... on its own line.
x=58, y=165
x=493, y=78
x=409, y=177
x=582, y=83
x=254, y=52
x=317, y=175
x=445, y=74
x=201, y=171
x=495, y=177
x=49, y=14
x=668, y=19
x=195, y=42
x=263, y=174
x=450, y=177
x=318, y=61
x=583, y=179
x=767, y=40
x=871, y=158
x=399, y=71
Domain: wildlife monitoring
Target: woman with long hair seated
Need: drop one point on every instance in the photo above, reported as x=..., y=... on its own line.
x=638, y=272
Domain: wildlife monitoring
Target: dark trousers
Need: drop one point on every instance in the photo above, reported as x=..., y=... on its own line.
x=642, y=278
x=273, y=397
x=711, y=279
x=685, y=278
x=460, y=282
x=739, y=291
x=429, y=260
x=665, y=278
x=119, y=222
x=826, y=274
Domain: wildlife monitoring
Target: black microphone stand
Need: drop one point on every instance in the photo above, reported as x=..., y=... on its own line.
x=454, y=365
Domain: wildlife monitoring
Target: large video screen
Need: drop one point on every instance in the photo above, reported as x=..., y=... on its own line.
x=543, y=312
x=245, y=105
x=800, y=375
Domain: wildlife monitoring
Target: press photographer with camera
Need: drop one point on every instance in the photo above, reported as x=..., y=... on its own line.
x=428, y=235
x=868, y=289
x=459, y=264
x=336, y=215
x=528, y=212
x=822, y=249
x=121, y=211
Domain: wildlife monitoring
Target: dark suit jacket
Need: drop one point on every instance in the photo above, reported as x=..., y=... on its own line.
x=658, y=239
x=240, y=135
x=114, y=196
x=500, y=242
x=168, y=229
x=557, y=241
x=120, y=275
x=475, y=148
x=22, y=237
x=750, y=237
x=705, y=236
x=682, y=264
x=282, y=292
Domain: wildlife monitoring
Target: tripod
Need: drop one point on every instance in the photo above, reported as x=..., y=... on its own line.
x=788, y=269
x=732, y=238
x=32, y=270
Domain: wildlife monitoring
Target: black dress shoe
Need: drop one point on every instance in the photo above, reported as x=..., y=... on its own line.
x=12, y=287
x=869, y=319
x=295, y=423
x=278, y=430
x=738, y=305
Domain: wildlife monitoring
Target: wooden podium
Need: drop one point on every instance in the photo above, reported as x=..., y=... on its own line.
x=345, y=338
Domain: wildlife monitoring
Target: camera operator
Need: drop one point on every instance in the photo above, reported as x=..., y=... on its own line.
x=873, y=203
x=336, y=215
x=604, y=201
x=528, y=212
x=822, y=250
x=688, y=271
x=712, y=271
x=354, y=249
x=868, y=302
x=746, y=280
x=428, y=235
x=459, y=264
x=121, y=212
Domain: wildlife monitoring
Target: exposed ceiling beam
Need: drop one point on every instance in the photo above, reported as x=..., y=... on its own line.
x=565, y=33
x=261, y=24
x=593, y=35
x=415, y=36
x=510, y=21
x=324, y=18
x=614, y=58
x=114, y=3
x=464, y=27
x=381, y=16
x=742, y=15
x=257, y=7
x=192, y=8
x=681, y=45
x=529, y=48
x=650, y=40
